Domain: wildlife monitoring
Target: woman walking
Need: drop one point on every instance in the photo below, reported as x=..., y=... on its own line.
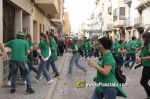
x=145, y=59
x=45, y=54
x=105, y=73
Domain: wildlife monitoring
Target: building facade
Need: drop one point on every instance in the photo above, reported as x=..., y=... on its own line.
x=66, y=24
x=124, y=18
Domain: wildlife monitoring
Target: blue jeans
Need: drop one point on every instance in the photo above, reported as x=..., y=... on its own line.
x=108, y=93
x=51, y=61
x=133, y=57
x=31, y=58
x=25, y=68
x=75, y=58
x=42, y=67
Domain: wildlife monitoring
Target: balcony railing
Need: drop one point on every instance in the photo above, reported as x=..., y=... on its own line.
x=138, y=22
x=127, y=1
x=121, y=17
x=109, y=27
x=128, y=22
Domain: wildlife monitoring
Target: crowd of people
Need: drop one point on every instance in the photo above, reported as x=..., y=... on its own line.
x=110, y=54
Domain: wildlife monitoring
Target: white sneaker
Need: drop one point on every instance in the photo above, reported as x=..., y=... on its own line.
x=36, y=80
x=41, y=77
x=9, y=83
x=50, y=82
x=133, y=69
x=24, y=82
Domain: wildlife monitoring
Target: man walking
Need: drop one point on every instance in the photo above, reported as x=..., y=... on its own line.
x=20, y=50
x=53, y=57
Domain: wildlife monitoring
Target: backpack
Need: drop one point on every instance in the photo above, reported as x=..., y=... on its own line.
x=120, y=75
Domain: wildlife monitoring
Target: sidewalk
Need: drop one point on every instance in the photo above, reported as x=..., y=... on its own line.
x=43, y=90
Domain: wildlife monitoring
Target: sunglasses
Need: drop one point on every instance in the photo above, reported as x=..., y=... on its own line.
x=27, y=37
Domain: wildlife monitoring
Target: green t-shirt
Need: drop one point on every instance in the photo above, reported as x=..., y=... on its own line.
x=132, y=44
x=44, y=47
x=145, y=53
x=108, y=59
x=73, y=47
x=19, y=48
x=54, y=45
x=89, y=45
x=117, y=47
x=113, y=46
x=30, y=44
x=85, y=46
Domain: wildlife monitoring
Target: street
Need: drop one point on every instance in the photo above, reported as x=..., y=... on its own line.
x=66, y=86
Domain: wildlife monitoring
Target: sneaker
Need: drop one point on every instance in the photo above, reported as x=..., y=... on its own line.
x=30, y=91
x=56, y=75
x=9, y=83
x=36, y=80
x=85, y=71
x=41, y=77
x=24, y=82
x=69, y=74
x=50, y=82
x=132, y=68
x=13, y=90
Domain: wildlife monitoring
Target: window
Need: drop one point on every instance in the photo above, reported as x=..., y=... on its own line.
x=115, y=14
x=122, y=13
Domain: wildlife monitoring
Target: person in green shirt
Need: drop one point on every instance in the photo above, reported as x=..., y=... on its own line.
x=132, y=51
x=75, y=58
x=145, y=59
x=45, y=53
x=118, y=53
x=96, y=50
x=20, y=48
x=30, y=56
x=89, y=49
x=105, y=73
x=53, y=57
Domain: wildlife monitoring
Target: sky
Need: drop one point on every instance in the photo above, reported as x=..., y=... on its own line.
x=79, y=11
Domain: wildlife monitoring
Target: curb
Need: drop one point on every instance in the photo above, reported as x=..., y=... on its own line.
x=53, y=86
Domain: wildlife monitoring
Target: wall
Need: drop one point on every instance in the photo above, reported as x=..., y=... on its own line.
x=146, y=15
x=1, y=39
x=28, y=23
x=47, y=25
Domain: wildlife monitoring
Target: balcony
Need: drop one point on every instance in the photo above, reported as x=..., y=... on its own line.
x=23, y=4
x=143, y=5
x=48, y=6
x=138, y=22
x=118, y=21
x=127, y=1
x=109, y=27
x=128, y=22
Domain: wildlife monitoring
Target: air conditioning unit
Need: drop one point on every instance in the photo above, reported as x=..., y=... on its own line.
x=109, y=10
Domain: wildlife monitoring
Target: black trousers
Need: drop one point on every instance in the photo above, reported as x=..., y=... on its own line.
x=145, y=78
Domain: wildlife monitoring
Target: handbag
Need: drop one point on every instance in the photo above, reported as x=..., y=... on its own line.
x=120, y=75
